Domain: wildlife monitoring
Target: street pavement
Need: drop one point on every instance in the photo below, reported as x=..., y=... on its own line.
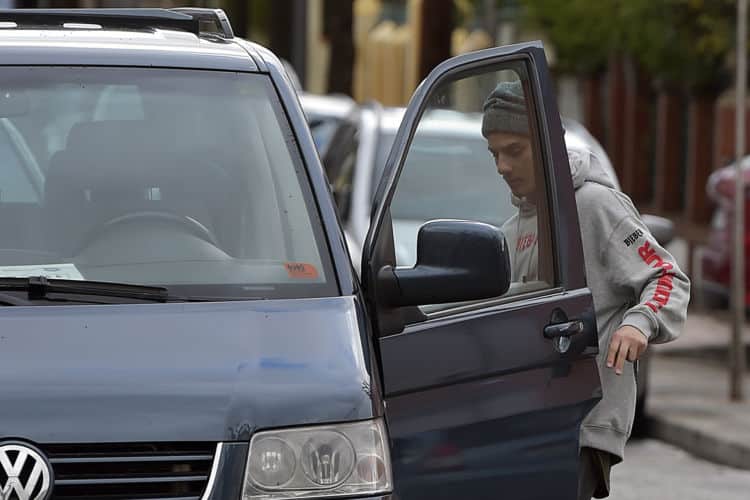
x=688, y=404
x=658, y=471
x=688, y=399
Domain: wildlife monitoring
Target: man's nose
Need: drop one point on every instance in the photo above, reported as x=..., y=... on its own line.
x=503, y=167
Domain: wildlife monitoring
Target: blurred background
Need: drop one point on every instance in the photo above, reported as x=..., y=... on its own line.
x=651, y=81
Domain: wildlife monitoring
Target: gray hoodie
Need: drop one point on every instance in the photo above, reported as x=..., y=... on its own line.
x=632, y=279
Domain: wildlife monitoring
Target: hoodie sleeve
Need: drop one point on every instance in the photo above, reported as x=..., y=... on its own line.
x=635, y=260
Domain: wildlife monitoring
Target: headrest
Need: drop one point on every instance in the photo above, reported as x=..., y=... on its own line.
x=113, y=136
x=122, y=154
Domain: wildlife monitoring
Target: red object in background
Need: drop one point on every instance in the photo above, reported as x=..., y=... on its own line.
x=716, y=262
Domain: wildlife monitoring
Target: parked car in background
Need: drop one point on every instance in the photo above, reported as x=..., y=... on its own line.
x=355, y=157
x=325, y=115
x=714, y=278
x=180, y=315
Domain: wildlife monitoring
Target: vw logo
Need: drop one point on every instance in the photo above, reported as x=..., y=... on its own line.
x=25, y=474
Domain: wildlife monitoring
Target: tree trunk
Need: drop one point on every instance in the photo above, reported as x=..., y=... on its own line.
x=616, y=114
x=638, y=146
x=280, y=28
x=240, y=20
x=725, y=129
x=437, y=29
x=700, y=145
x=669, y=183
x=338, y=19
x=593, y=106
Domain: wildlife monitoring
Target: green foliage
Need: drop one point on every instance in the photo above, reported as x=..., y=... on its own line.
x=584, y=32
x=681, y=43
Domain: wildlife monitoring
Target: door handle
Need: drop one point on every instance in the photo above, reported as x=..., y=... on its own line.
x=567, y=329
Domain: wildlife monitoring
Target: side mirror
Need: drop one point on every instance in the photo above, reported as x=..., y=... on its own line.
x=456, y=261
x=662, y=229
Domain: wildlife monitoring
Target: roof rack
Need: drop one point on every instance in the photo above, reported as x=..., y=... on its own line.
x=216, y=18
x=186, y=19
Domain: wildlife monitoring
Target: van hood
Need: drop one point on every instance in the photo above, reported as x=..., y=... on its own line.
x=180, y=372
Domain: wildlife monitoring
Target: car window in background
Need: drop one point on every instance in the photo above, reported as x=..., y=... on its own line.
x=451, y=177
x=325, y=114
x=323, y=129
x=178, y=178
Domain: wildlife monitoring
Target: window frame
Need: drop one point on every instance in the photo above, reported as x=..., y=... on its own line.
x=542, y=155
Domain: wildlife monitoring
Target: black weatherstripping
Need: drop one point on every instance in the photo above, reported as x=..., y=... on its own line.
x=193, y=20
x=109, y=18
x=39, y=287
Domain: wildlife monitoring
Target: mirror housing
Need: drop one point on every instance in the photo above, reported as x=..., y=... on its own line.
x=456, y=261
x=660, y=228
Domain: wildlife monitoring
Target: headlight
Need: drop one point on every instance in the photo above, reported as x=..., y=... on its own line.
x=322, y=461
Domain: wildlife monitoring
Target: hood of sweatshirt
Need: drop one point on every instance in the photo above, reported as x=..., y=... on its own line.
x=585, y=166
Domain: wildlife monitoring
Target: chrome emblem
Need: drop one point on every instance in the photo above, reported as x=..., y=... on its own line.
x=25, y=472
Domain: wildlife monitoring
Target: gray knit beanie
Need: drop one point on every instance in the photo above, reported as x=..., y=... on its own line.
x=505, y=110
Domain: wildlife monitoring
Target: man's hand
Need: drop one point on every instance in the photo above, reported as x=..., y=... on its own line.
x=627, y=343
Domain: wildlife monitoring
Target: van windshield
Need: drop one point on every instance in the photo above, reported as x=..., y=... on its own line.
x=178, y=178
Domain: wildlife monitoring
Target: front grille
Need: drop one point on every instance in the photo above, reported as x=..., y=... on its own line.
x=132, y=471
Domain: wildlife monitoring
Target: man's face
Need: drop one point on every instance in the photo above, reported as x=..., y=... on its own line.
x=514, y=160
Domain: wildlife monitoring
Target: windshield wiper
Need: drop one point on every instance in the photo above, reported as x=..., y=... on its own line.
x=39, y=287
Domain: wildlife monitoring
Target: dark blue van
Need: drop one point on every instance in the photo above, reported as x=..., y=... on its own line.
x=183, y=320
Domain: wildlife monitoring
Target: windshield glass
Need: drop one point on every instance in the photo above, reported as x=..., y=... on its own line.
x=179, y=178
x=450, y=175
x=20, y=178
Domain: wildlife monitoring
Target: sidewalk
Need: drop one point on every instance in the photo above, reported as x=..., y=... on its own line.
x=688, y=403
x=704, y=330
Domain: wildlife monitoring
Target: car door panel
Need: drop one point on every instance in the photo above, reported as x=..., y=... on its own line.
x=483, y=399
x=463, y=442
x=491, y=341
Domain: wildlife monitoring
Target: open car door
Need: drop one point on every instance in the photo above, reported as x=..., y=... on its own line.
x=487, y=347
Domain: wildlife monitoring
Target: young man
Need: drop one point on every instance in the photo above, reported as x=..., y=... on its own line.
x=640, y=295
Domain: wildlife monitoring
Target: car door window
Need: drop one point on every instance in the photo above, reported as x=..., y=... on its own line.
x=476, y=156
x=339, y=162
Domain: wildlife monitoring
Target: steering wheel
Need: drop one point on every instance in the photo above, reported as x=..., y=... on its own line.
x=193, y=226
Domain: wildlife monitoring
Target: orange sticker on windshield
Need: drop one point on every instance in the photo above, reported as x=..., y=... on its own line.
x=301, y=270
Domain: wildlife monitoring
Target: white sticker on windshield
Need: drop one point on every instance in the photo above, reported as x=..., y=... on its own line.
x=58, y=271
